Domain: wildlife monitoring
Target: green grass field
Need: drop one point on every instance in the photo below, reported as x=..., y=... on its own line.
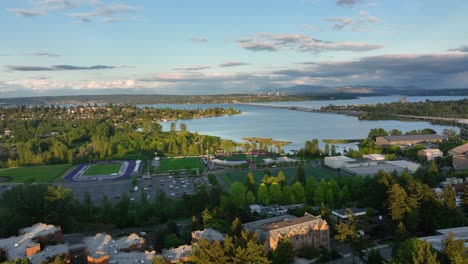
x=175, y=164
x=240, y=176
x=45, y=173
x=102, y=169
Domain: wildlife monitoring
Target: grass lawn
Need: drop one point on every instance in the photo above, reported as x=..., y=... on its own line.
x=240, y=176
x=102, y=169
x=171, y=164
x=45, y=173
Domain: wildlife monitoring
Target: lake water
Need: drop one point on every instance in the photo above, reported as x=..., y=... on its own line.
x=297, y=126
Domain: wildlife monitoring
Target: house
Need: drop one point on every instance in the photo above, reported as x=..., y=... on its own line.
x=177, y=255
x=407, y=139
x=430, y=154
x=207, y=234
x=306, y=231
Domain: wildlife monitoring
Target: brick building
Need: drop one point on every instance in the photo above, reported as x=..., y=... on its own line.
x=306, y=231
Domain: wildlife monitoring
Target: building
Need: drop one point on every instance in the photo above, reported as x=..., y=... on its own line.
x=463, y=125
x=412, y=167
x=437, y=241
x=430, y=154
x=102, y=247
x=340, y=214
x=306, y=231
x=459, y=157
x=30, y=241
x=177, y=255
x=375, y=157
x=337, y=162
x=280, y=160
x=460, y=150
x=407, y=139
x=207, y=234
x=460, y=162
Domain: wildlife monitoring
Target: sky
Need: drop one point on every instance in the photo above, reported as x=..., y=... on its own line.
x=64, y=47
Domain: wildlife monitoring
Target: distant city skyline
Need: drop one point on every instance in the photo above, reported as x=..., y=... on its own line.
x=58, y=47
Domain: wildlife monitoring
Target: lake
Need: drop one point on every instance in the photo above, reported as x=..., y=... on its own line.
x=297, y=126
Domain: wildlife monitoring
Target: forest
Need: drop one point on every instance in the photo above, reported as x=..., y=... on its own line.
x=54, y=135
x=449, y=109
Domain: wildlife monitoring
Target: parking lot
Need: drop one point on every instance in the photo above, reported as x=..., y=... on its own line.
x=173, y=186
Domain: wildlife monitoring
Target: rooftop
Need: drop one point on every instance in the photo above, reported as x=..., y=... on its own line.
x=208, y=234
x=132, y=257
x=258, y=224
x=49, y=252
x=415, y=137
x=16, y=246
x=460, y=149
x=174, y=254
x=354, y=210
x=437, y=241
x=104, y=242
x=289, y=222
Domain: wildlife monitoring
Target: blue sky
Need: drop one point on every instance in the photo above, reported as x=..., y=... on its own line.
x=51, y=47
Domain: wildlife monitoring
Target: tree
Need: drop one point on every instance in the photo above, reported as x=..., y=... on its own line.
x=300, y=174
x=333, y=150
x=374, y=257
x=159, y=260
x=237, y=194
x=183, y=127
x=288, y=196
x=398, y=205
x=262, y=195
x=298, y=192
x=250, y=198
x=455, y=250
x=275, y=193
x=173, y=127
x=424, y=254
x=205, y=252
x=236, y=227
x=207, y=217
x=448, y=197
x=250, y=181
x=326, y=150
x=284, y=253
x=281, y=178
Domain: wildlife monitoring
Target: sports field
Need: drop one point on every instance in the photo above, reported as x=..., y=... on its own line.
x=45, y=173
x=240, y=176
x=102, y=169
x=175, y=164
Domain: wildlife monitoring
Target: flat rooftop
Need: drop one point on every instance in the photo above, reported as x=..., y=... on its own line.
x=132, y=257
x=258, y=224
x=437, y=241
x=49, y=252
x=414, y=137
x=372, y=170
x=289, y=222
x=175, y=254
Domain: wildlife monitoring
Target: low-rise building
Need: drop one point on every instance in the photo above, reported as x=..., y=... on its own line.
x=337, y=162
x=460, y=162
x=375, y=157
x=407, y=139
x=102, y=247
x=437, y=241
x=341, y=214
x=430, y=154
x=207, y=234
x=460, y=150
x=176, y=255
x=29, y=241
x=306, y=231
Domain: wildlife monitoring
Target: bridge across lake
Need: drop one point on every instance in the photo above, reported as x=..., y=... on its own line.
x=353, y=113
